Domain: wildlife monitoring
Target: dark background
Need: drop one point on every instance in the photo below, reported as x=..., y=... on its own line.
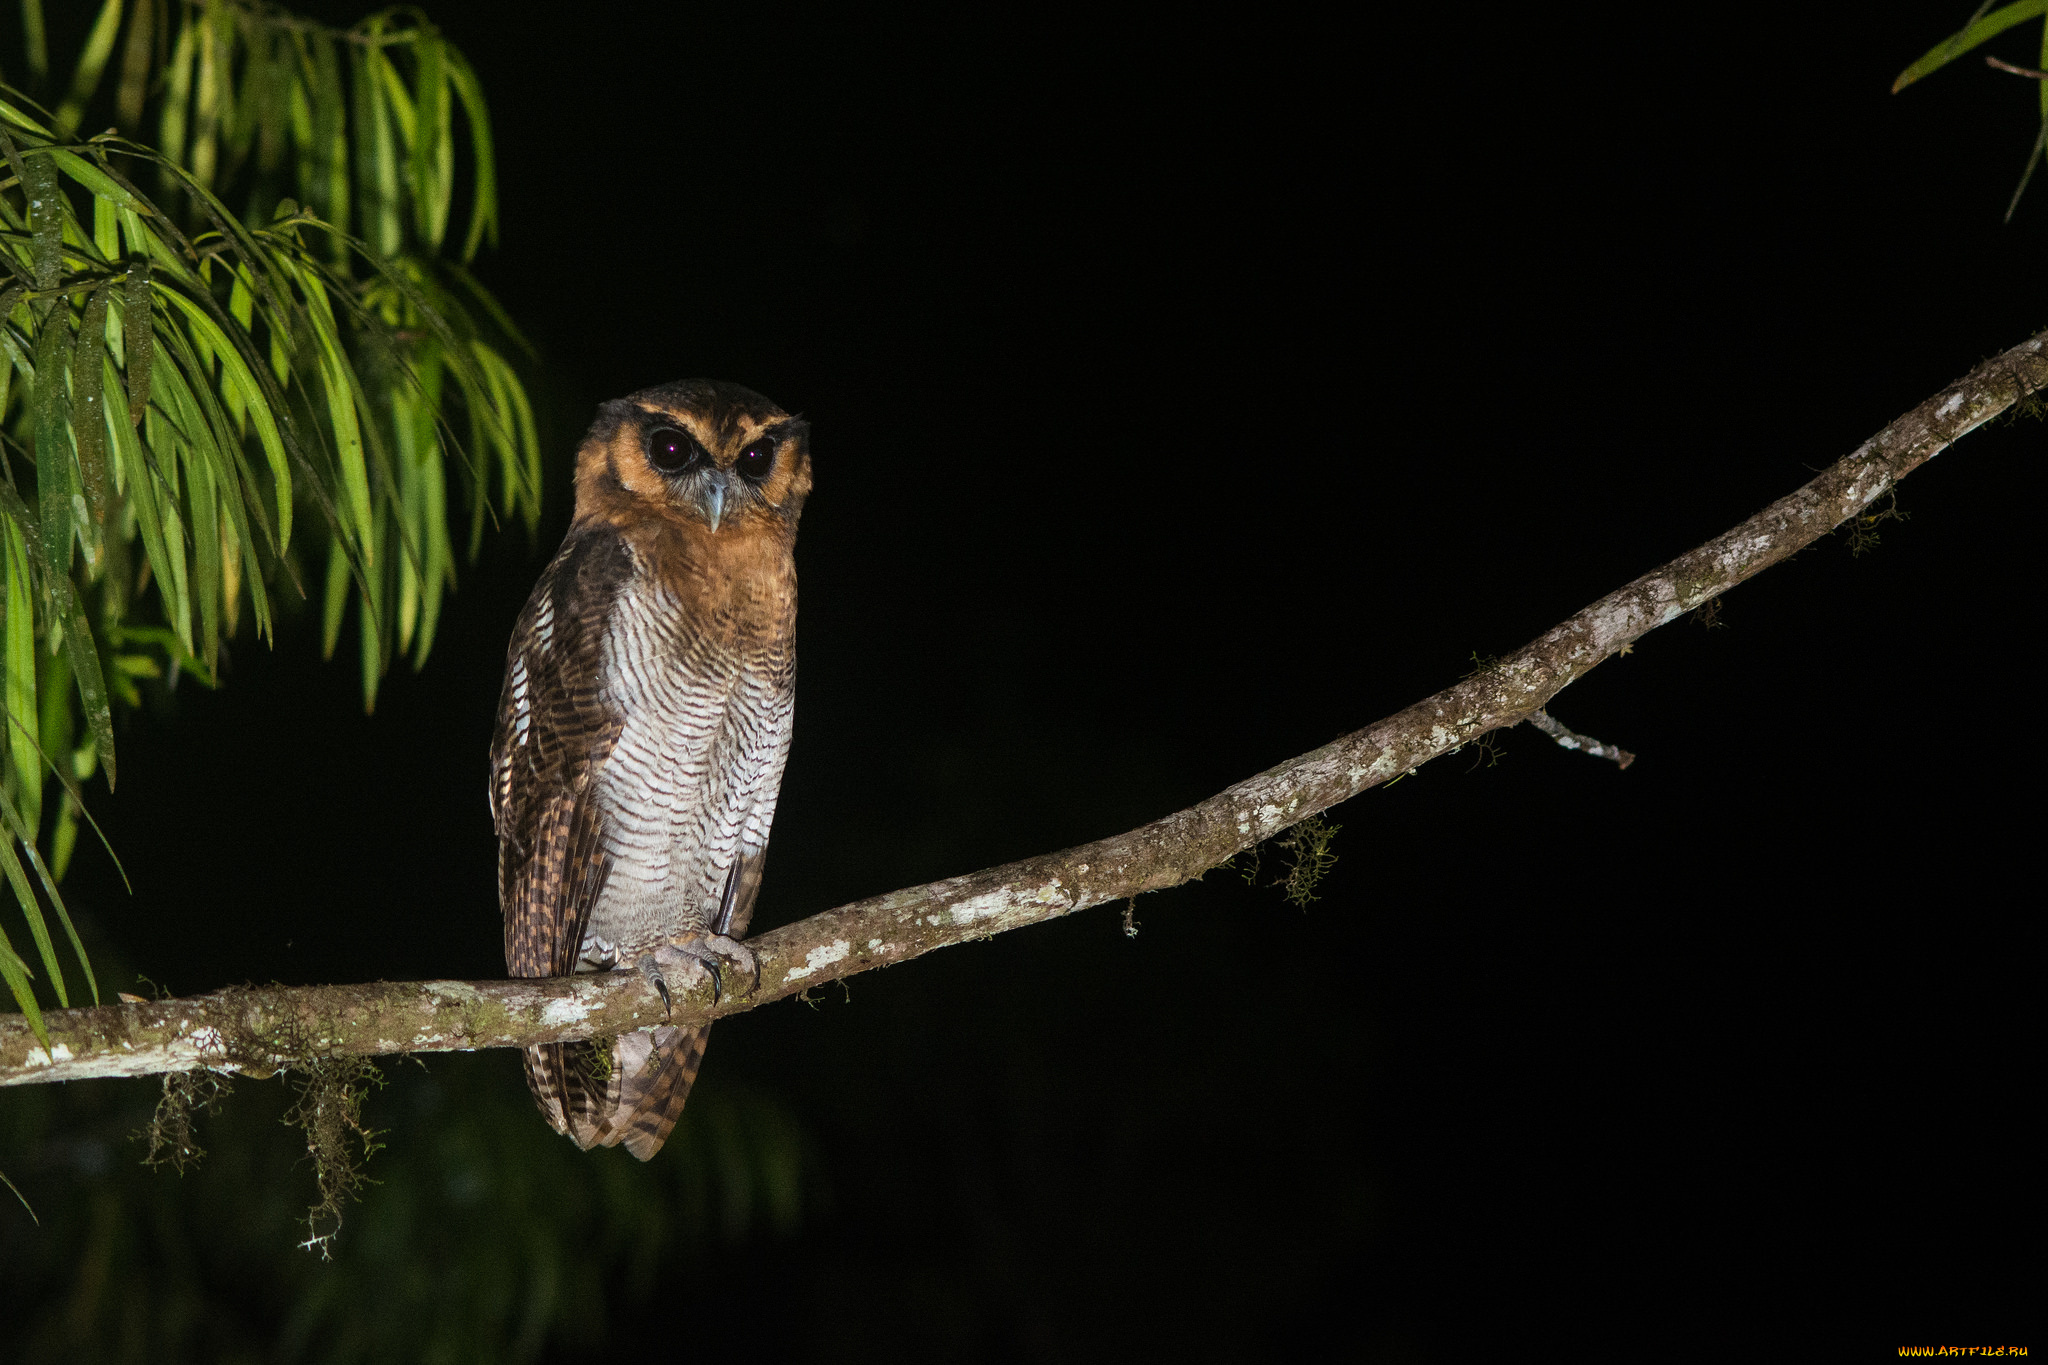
x=1190, y=388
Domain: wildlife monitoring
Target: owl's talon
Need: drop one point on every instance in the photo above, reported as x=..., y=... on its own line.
x=653, y=973
x=712, y=954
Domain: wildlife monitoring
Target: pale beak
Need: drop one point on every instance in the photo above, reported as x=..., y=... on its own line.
x=711, y=497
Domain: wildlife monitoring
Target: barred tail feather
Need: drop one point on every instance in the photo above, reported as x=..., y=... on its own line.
x=651, y=1078
x=635, y=1101
x=564, y=1080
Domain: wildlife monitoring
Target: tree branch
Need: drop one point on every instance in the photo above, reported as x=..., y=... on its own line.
x=260, y=1029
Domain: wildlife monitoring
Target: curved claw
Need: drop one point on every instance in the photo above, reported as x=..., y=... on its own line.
x=654, y=975
x=714, y=956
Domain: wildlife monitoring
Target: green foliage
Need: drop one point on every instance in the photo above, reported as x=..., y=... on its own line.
x=483, y=1236
x=183, y=387
x=1984, y=25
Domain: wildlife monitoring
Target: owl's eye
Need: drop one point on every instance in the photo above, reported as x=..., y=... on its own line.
x=669, y=450
x=757, y=459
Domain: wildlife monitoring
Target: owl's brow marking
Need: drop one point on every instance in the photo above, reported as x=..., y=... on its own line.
x=215, y=1031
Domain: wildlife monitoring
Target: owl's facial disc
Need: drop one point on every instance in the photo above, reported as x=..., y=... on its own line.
x=680, y=459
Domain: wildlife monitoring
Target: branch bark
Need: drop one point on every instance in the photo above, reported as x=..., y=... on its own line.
x=260, y=1029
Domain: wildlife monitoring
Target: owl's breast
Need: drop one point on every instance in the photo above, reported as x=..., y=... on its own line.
x=670, y=685
x=703, y=704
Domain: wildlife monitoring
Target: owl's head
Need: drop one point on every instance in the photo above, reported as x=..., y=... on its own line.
x=709, y=456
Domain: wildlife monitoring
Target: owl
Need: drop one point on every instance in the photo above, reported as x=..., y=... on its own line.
x=642, y=732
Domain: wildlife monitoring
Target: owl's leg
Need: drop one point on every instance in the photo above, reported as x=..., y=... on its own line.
x=689, y=953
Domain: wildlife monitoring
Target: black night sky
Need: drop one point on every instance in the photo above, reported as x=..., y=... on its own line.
x=1189, y=388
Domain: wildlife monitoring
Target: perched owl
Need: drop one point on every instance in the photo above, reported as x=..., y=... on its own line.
x=642, y=732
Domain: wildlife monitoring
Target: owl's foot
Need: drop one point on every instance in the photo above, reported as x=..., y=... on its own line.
x=711, y=954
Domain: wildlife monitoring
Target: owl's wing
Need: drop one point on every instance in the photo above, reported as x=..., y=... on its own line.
x=554, y=732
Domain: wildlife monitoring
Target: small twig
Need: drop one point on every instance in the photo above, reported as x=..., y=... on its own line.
x=1572, y=739
x=1997, y=65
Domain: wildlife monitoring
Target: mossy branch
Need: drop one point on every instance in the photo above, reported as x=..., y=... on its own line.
x=263, y=1029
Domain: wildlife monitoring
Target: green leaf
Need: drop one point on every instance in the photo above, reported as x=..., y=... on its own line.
x=373, y=626
x=439, y=553
x=96, y=180
x=393, y=85
x=328, y=189
x=106, y=229
x=483, y=213
x=171, y=127
x=23, y=752
x=85, y=670
x=99, y=45
x=1956, y=44
x=10, y=114
x=376, y=154
x=208, y=93
x=54, y=482
x=267, y=93
x=46, y=219
x=520, y=446
x=135, y=67
x=242, y=303
x=88, y=403
x=338, y=382
x=433, y=145
x=18, y=166
x=10, y=299
x=49, y=882
x=25, y=896
x=33, y=38
x=138, y=340
x=204, y=509
x=163, y=440
x=16, y=973
x=335, y=603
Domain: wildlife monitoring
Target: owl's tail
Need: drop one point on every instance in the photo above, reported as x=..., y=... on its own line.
x=633, y=1096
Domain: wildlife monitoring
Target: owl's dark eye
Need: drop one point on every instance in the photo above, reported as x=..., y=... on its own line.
x=669, y=450
x=757, y=459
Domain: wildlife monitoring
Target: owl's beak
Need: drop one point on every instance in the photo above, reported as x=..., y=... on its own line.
x=711, y=496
